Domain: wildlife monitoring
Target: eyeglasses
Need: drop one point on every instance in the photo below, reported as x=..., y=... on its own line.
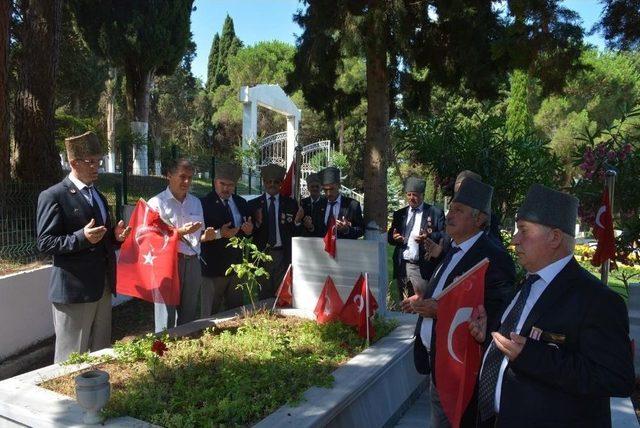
x=92, y=162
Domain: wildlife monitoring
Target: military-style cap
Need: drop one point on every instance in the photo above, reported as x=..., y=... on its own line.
x=415, y=184
x=228, y=171
x=313, y=178
x=273, y=172
x=81, y=146
x=551, y=208
x=330, y=175
x=475, y=194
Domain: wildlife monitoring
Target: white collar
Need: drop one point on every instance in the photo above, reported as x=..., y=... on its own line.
x=466, y=245
x=169, y=195
x=336, y=202
x=76, y=181
x=276, y=196
x=550, y=271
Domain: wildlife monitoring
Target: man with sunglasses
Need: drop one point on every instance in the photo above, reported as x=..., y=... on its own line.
x=75, y=227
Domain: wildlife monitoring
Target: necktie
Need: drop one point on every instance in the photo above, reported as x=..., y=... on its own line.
x=493, y=361
x=229, y=213
x=409, y=227
x=272, y=222
x=332, y=204
x=445, y=262
x=95, y=209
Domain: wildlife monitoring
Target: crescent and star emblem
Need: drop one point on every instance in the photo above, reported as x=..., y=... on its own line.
x=327, y=305
x=359, y=301
x=462, y=315
x=601, y=210
x=146, y=230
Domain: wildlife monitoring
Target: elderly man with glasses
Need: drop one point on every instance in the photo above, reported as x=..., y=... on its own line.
x=75, y=227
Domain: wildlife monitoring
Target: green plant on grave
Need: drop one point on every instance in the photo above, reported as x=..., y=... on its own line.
x=251, y=268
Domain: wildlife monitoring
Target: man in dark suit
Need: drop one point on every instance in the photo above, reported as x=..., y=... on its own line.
x=466, y=220
x=311, y=203
x=276, y=218
x=346, y=211
x=75, y=227
x=563, y=347
x=230, y=216
x=411, y=226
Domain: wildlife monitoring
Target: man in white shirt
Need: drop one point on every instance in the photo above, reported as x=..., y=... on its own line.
x=562, y=349
x=183, y=211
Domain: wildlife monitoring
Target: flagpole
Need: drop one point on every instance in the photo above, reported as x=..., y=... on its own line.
x=366, y=299
x=610, y=182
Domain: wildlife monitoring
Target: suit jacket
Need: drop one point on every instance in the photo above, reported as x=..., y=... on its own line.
x=498, y=292
x=80, y=269
x=349, y=209
x=432, y=217
x=217, y=256
x=310, y=210
x=287, y=209
x=566, y=380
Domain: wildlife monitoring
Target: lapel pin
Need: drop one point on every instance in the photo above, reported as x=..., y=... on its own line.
x=535, y=333
x=73, y=191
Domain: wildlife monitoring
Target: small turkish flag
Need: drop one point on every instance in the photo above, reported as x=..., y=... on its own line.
x=148, y=262
x=458, y=358
x=360, y=307
x=331, y=237
x=329, y=303
x=603, y=231
x=283, y=296
x=288, y=184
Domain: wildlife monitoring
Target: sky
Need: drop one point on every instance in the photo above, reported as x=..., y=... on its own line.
x=263, y=20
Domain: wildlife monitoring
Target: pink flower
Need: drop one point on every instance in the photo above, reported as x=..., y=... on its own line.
x=622, y=156
x=627, y=148
x=611, y=155
x=584, y=166
x=589, y=175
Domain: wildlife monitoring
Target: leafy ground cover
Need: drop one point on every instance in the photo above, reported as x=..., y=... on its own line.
x=234, y=374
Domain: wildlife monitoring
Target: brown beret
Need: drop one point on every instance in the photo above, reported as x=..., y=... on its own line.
x=81, y=146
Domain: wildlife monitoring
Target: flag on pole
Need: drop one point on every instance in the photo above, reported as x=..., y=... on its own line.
x=288, y=187
x=148, y=262
x=360, y=307
x=329, y=303
x=331, y=237
x=459, y=355
x=284, y=296
x=603, y=231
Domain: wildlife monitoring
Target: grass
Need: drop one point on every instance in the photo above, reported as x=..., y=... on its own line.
x=235, y=375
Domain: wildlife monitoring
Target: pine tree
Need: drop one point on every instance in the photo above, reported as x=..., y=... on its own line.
x=229, y=45
x=212, y=67
x=519, y=119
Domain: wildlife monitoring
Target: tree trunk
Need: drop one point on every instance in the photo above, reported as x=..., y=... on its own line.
x=38, y=157
x=5, y=165
x=138, y=87
x=111, y=120
x=377, y=143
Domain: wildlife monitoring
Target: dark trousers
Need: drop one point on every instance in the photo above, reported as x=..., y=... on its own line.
x=276, y=269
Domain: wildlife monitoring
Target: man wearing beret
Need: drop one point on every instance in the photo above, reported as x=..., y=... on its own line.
x=311, y=204
x=346, y=211
x=466, y=220
x=563, y=347
x=412, y=225
x=276, y=217
x=230, y=216
x=75, y=227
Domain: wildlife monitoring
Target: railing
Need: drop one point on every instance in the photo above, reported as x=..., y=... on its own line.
x=273, y=149
x=352, y=194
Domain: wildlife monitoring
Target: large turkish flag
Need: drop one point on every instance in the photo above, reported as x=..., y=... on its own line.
x=603, y=231
x=148, y=262
x=458, y=354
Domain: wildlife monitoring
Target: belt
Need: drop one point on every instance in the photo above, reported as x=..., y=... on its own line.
x=411, y=262
x=187, y=256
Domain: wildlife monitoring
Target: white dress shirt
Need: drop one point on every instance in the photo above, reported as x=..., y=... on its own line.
x=80, y=185
x=277, y=202
x=178, y=214
x=427, y=323
x=412, y=252
x=336, y=209
x=547, y=274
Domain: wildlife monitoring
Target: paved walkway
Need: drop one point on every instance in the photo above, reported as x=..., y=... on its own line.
x=418, y=414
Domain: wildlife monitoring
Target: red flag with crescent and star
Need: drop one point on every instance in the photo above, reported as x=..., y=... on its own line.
x=603, y=231
x=356, y=312
x=329, y=303
x=459, y=355
x=283, y=295
x=288, y=184
x=148, y=262
x=331, y=237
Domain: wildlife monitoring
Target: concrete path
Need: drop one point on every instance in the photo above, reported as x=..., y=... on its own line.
x=418, y=414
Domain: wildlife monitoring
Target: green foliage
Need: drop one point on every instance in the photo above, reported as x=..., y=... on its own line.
x=212, y=64
x=222, y=48
x=251, y=268
x=519, y=121
x=620, y=23
x=446, y=147
x=68, y=125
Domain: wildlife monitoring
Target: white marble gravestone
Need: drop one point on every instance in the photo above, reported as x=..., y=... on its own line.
x=311, y=265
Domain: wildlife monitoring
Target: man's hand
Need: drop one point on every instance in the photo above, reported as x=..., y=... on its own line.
x=209, y=234
x=512, y=347
x=406, y=303
x=308, y=223
x=428, y=308
x=397, y=238
x=247, y=226
x=94, y=234
x=432, y=250
x=227, y=231
x=299, y=215
x=343, y=224
x=189, y=227
x=478, y=324
x=121, y=232
x=422, y=236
